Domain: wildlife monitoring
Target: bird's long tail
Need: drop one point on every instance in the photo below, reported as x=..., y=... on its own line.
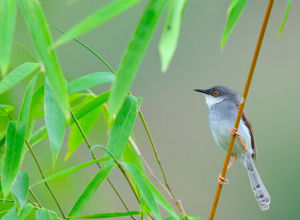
x=261, y=194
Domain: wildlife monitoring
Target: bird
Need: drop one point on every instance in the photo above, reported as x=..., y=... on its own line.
x=223, y=104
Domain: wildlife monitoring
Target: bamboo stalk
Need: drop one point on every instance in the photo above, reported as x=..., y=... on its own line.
x=241, y=108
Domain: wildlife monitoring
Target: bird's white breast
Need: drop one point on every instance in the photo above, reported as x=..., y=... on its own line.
x=210, y=100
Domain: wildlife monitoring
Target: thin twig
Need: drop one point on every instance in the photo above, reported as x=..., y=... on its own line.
x=241, y=108
x=173, y=198
x=35, y=198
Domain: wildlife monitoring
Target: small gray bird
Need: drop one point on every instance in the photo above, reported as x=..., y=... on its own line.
x=223, y=104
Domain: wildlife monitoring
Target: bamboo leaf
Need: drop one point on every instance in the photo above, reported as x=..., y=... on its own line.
x=13, y=214
x=90, y=80
x=42, y=41
x=20, y=189
x=122, y=127
x=7, y=26
x=15, y=138
x=168, y=42
x=135, y=53
x=5, y=109
x=70, y=170
x=86, y=123
x=17, y=75
x=234, y=12
x=55, y=122
x=108, y=215
x=99, y=17
x=91, y=188
x=143, y=186
x=45, y=214
x=286, y=15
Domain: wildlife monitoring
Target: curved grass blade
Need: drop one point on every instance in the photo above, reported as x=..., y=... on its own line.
x=122, y=127
x=68, y=171
x=234, y=12
x=91, y=188
x=4, y=109
x=20, y=189
x=143, y=186
x=15, y=138
x=55, y=122
x=90, y=80
x=168, y=41
x=286, y=15
x=101, y=16
x=17, y=75
x=13, y=214
x=42, y=41
x=7, y=26
x=108, y=215
x=45, y=214
x=135, y=53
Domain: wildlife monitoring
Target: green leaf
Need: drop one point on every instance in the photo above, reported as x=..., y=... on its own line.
x=20, y=189
x=15, y=138
x=286, y=15
x=17, y=75
x=131, y=156
x=101, y=16
x=14, y=215
x=91, y=188
x=90, y=80
x=25, y=109
x=135, y=53
x=86, y=123
x=38, y=136
x=108, y=215
x=45, y=214
x=7, y=26
x=42, y=42
x=122, y=127
x=70, y=170
x=55, y=122
x=143, y=186
x=5, y=109
x=168, y=42
x=234, y=12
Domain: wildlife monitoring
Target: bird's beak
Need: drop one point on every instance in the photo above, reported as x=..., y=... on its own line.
x=205, y=91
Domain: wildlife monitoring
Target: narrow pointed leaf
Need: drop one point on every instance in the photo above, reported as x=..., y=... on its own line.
x=91, y=188
x=68, y=171
x=7, y=26
x=15, y=138
x=234, y=12
x=86, y=123
x=101, y=16
x=55, y=122
x=5, y=109
x=90, y=80
x=42, y=42
x=45, y=214
x=168, y=42
x=108, y=215
x=13, y=214
x=17, y=75
x=122, y=127
x=135, y=53
x=20, y=189
x=286, y=15
x=142, y=184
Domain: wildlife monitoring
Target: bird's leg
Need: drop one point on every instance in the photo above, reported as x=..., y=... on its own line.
x=235, y=132
x=222, y=180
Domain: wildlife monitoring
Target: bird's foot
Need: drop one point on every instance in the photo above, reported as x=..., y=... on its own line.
x=222, y=180
x=236, y=133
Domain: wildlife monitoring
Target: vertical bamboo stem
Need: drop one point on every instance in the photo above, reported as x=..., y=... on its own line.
x=240, y=112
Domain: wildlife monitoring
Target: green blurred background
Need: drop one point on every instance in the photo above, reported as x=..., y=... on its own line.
x=177, y=116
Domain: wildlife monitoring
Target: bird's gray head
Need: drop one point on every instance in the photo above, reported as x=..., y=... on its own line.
x=217, y=94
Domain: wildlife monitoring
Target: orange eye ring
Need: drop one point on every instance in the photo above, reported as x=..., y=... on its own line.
x=216, y=93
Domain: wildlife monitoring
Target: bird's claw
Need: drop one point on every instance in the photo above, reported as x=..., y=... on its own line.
x=222, y=180
x=235, y=132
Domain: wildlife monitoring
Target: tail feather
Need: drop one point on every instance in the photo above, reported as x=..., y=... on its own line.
x=261, y=194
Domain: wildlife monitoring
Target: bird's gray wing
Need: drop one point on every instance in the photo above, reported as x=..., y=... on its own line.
x=247, y=123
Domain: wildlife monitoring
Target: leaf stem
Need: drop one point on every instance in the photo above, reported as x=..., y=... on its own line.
x=35, y=198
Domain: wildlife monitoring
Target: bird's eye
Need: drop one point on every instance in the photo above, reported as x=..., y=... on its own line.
x=216, y=93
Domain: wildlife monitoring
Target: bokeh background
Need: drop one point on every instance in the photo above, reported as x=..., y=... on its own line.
x=177, y=116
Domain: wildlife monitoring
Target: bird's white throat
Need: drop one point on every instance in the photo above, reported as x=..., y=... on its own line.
x=210, y=100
